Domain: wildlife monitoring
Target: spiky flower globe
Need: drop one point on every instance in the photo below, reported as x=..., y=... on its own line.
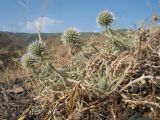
x=105, y=19
x=70, y=36
x=28, y=60
x=37, y=49
x=155, y=18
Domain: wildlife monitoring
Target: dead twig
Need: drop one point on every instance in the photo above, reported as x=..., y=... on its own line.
x=138, y=80
x=143, y=102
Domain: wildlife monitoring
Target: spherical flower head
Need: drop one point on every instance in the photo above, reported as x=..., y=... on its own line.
x=28, y=60
x=105, y=18
x=70, y=36
x=155, y=18
x=37, y=48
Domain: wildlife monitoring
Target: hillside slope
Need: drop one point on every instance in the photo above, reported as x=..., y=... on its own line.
x=9, y=42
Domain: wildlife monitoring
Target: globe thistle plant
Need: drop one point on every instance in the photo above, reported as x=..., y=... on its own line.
x=155, y=18
x=105, y=19
x=38, y=61
x=70, y=37
x=28, y=61
x=37, y=49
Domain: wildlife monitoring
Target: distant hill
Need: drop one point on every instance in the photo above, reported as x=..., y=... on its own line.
x=11, y=43
x=16, y=41
x=29, y=37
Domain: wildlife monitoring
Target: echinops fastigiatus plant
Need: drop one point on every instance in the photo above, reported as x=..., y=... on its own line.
x=70, y=37
x=37, y=49
x=28, y=60
x=38, y=62
x=105, y=19
x=36, y=58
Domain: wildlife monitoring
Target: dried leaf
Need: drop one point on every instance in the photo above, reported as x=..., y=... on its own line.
x=24, y=114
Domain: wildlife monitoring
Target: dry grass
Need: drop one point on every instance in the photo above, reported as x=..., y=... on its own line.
x=101, y=84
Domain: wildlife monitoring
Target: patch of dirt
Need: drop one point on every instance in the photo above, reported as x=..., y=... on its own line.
x=14, y=98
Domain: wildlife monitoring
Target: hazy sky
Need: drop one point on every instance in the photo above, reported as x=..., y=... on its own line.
x=57, y=15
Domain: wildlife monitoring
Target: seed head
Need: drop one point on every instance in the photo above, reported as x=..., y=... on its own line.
x=105, y=18
x=155, y=18
x=28, y=60
x=70, y=36
x=37, y=49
